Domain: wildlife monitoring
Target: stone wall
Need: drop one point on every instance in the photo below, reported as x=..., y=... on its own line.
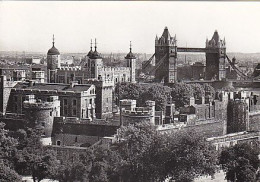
x=208, y=128
x=254, y=121
x=80, y=133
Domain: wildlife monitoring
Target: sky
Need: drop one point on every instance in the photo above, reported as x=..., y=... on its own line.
x=29, y=26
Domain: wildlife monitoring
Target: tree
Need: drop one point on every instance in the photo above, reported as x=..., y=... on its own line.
x=135, y=150
x=209, y=90
x=8, y=146
x=157, y=93
x=33, y=159
x=181, y=94
x=143, y=92
x=240, y=162
x=149, y=155
x=189, y=156
x=7, y=153
x=198, y=91
x=74, y=168
x=7, y=174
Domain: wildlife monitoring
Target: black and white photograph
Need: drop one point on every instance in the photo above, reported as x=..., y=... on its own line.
x=129, y=91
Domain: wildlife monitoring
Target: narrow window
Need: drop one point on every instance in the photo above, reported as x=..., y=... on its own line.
x=74, y=102
x=58, y=142
x=74, y=112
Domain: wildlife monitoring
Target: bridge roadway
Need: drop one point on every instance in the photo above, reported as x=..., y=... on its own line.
x=192, y=49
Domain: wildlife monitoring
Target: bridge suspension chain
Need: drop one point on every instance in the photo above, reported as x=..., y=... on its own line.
x=239, y=72
x=148, y=62
x=158, y=64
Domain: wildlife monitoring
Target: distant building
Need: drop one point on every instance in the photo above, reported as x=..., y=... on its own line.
x=198, y=70
x=33, y=60
x=91, y=67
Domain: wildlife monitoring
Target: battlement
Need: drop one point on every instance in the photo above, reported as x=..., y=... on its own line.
x=138, y=111
x=107, y=69
x=122, y=69
x=32, y=103
x=127, y=102
x=68, y=68
x=100, y=83
x=4, y=83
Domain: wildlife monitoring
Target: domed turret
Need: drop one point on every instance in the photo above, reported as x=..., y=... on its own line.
x=131, y=62
x=95, y=54
x=53, y=63
x=53, y=50
x=130, y=55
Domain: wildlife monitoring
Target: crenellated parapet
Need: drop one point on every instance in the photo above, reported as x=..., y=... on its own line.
x=40, y=114
x=69, y=68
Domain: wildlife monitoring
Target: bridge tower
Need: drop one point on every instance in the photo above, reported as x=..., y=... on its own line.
x=166, y=51
x=215, y=58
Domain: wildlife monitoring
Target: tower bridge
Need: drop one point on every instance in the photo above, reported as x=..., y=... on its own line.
x=166, y=56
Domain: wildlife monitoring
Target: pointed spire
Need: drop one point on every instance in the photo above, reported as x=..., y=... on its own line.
x=130, y=46
x=91, y=45
x=95, y=44
x=90, y=52
x=53, y=40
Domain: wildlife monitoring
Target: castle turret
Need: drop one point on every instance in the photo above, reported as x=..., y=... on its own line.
x=131, y=63
x=94, y=62
x=53, y=63
x=5, y=90
x=237, y=116
x=40, y=114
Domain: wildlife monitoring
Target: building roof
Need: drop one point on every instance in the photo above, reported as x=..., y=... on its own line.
x=166, y=34
x=130, y=55
x=83, y=129
x=215, y=38
x=53, y=86
x=53, y=50
x=95, y=54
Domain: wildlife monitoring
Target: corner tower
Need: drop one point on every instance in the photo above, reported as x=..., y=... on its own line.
x=94, y=62
x=166, y=57
x=53, y=63
x=131, y=63
x=215, y=58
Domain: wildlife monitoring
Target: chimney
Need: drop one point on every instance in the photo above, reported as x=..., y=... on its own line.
x=73, y=83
